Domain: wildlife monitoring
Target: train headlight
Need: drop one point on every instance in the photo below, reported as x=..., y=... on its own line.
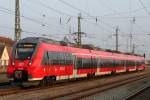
x=30, y=63
x=13, y=63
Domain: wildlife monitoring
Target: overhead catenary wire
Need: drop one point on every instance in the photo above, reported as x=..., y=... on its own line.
x=107, y=29
x=50, y=8
x=89, y=15
x=101, y=27
x=145, y=8
x=31, y=32
x=121, y=13
x=38, y=13
x=37, y=33
x=47, y=6
x=107, y=7
x=108, y=25
x=44, y=5
x=80, y=10
x=68, y=4
x=32, y=19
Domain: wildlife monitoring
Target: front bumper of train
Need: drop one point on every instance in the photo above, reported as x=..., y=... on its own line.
x=19, y=77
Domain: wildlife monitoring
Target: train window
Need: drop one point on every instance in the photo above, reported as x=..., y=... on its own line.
x=138, y=63
x=118, y=63
x=58, y=58
x=106, y=63
x=94, y=62
x=78, y=63
x=24, y=51
x=68, y=58
x=123, y=62
x=127, y=63
x=143, y=62
x=102, y=63
x=111, y=63
x=130, y=63
x=53, y=58
x=82, y=63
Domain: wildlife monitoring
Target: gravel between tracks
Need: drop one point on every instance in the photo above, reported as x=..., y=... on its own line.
x=61, y=90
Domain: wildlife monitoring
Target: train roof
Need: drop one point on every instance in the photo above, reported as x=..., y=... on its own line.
x=37, y=40
x=62, y=43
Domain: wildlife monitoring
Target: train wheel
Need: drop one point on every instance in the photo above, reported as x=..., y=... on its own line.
x=136, y=70
x=127, y=71
x=93, y=75
x=90, y=75
x=113, y=72
x=51, y=80
x=48, y=81
x=43, y=82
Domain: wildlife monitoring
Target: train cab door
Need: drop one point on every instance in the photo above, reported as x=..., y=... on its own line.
x=45, y=63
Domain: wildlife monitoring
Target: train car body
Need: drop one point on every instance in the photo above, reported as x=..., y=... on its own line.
x=38, y=59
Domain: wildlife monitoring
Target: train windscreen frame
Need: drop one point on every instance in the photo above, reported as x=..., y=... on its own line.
x=24, y=51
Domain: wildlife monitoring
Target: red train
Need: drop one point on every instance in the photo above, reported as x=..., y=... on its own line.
x=38, y=59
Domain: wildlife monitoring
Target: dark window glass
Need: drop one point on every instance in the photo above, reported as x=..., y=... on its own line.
x=59, y=58
x=78, y=62
x=130, y=63
x=86, y=63
x=106, y=63
x=24, y=51
x=45, y=60
x=110, y=63
x=139, y=63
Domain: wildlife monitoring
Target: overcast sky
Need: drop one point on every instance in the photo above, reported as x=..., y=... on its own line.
x=43, y=17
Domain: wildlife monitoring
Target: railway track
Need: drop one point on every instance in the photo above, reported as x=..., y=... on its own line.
x=13, y=90
x=4, y=83
x=138, y=92
x=72, y=84
x=98, y=89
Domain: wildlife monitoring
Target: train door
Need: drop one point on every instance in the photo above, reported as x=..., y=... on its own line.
x=45, y=63
x=74, y=70
x=94, y=61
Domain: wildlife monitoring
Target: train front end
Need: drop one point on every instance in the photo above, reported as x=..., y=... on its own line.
x=20, y=67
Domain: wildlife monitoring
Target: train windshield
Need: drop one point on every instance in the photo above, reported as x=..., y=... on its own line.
x=24, y=51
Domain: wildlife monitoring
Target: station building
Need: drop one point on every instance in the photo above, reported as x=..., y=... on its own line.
x=5, y=52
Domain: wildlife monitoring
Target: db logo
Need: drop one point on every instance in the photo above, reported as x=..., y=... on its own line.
x=62, y=68
x=21, y=64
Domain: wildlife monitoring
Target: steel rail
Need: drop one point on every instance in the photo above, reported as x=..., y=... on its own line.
x=138, y=92
x=20, y=90
x=97, y=89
